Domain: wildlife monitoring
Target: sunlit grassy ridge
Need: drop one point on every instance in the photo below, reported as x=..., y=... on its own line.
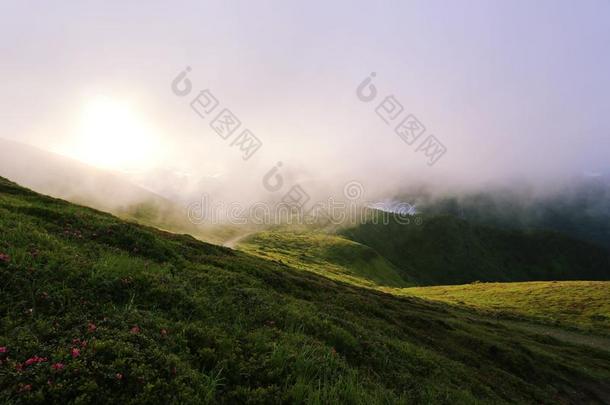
x=329, y=255
x=94, y=309
x=575, y=304
x=581, y=304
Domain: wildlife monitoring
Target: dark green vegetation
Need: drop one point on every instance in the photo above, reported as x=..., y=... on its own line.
x=448, y=250
x=94, y=309
x=580, y=208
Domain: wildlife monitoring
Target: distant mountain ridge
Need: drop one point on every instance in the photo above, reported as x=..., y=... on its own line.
x=445, y=249
x=580, y=208
x=62, y=177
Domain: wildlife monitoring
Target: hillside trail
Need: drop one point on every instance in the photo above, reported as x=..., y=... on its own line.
x=231, y=243
x=564, y=335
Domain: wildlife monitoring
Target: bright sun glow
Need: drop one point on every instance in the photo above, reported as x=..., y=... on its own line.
x=112, y=136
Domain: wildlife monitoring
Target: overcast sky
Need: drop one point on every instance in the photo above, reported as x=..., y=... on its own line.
x=510, y=88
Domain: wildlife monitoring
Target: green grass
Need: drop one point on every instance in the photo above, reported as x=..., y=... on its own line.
x=580, y=304
x=328, y=255
x=137, y=315
x=584, y=305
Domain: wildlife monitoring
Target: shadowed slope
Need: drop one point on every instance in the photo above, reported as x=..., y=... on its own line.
x=448, y=250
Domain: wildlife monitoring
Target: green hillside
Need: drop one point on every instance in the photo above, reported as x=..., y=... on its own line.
x=583, y=305
x=579, y=304
x=581, y=208
x=328, y=255
x=94, y=309
x=448, y=250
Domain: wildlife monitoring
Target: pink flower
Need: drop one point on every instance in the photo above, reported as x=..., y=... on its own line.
x=164, y=332
x=35, y=360
x=58, y=366
x=118, y=376
x=91, y=328
x=75, y=352
x=4, y=258
x=135, y=330
x=3, y=349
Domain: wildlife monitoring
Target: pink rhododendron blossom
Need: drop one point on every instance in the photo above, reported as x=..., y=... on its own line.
x=35, y=360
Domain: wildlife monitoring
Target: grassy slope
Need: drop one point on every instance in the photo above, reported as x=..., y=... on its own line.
x=581, y=304
x=447, y=250
x=584, y=305
x=168, y=318
x=329, y=255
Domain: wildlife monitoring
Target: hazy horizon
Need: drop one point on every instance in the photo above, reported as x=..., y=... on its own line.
x=512, y=90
